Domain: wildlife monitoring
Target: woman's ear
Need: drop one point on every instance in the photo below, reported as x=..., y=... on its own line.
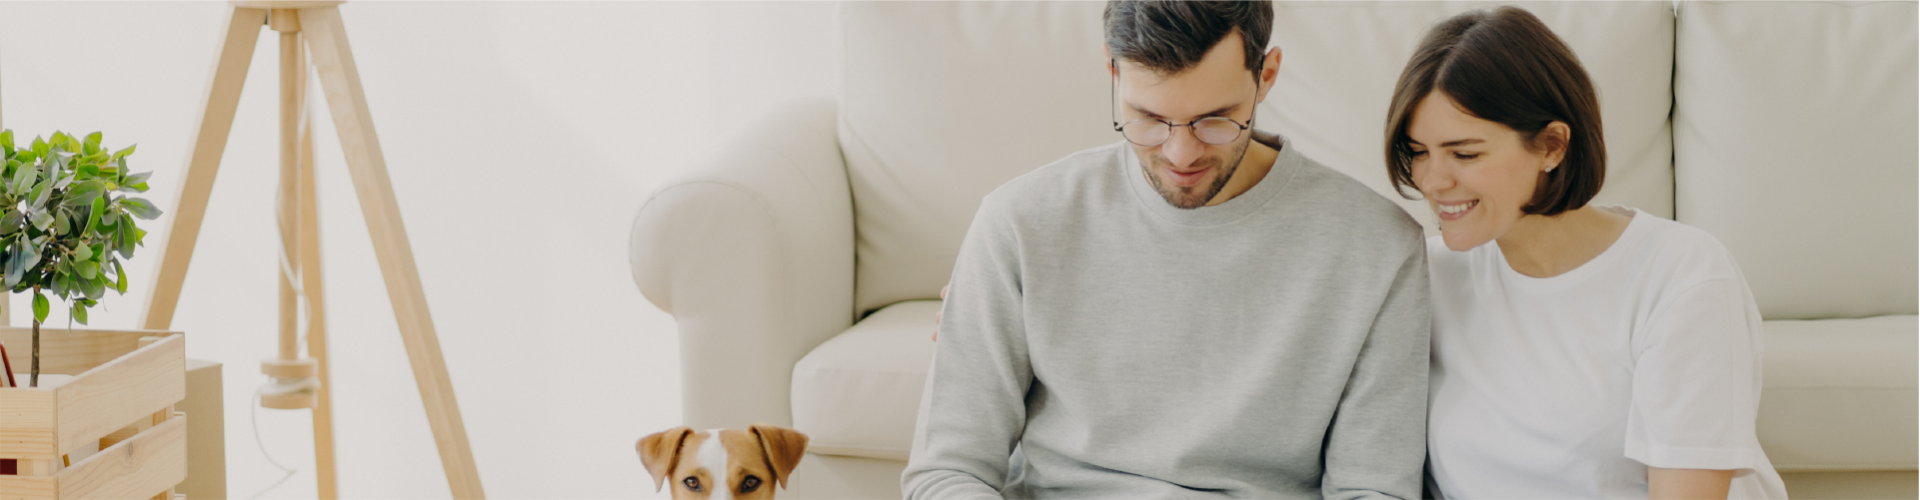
x=1552, y=143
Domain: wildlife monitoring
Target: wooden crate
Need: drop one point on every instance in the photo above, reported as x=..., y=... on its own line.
x=121, y=397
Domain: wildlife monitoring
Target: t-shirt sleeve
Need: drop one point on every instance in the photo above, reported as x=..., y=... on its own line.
x=1696, y=379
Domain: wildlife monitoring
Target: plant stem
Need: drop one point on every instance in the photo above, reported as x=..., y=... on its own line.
x=34, y=379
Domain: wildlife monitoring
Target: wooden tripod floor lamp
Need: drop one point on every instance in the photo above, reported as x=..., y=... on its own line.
x=317, y=26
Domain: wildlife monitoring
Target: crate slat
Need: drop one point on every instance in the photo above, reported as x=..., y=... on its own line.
x=27, y=424
x=149, y=463
x=68, y=353
x=128, y=388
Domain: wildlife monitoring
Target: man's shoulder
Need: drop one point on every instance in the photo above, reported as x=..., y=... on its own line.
x=1349, y=203
x=1054, y=185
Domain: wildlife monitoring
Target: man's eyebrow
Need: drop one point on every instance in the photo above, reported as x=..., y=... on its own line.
x=1217, y=112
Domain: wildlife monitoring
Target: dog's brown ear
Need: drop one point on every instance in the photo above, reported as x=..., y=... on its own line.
x=784, y=448
x=660, y=450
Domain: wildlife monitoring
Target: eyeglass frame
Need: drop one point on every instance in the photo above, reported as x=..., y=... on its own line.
x=1113, y=112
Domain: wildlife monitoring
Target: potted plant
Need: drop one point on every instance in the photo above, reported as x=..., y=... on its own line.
x=67, y=222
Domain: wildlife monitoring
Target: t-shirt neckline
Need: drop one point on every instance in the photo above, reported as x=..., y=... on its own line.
x=1635, y=226
x=1284, y=165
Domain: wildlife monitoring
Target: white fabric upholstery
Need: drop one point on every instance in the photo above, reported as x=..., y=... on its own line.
x=1340, y=61
x=1796, y=132
x=859, y=393
x=1841, y=394
x=943, y=101
x=1793, y=141
x=751, y=250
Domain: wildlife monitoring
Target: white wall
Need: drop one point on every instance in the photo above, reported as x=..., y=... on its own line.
x=521, y=139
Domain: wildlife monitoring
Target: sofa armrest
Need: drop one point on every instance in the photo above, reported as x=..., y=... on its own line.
x=751, y=251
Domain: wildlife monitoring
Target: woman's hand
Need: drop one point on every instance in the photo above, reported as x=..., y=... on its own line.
x=936, y=314
x=1690, y=484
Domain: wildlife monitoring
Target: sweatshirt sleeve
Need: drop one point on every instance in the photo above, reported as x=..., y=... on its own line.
x=973, y=410
x=1377, y=443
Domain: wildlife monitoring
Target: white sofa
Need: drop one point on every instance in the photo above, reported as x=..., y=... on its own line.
x=802, y=260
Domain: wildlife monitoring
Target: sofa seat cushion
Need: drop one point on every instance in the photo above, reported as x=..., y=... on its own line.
x=858, y=394
x=1840, y=394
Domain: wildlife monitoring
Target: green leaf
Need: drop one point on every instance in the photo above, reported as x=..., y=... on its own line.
x=40, y=307
x=120, y=279
x=61, y=224
x=123, y=153
x=41, y=220
x=23, y=178
x=16, y=260
x=6, y=141
x=86, y=270
x=140, y=207
x=93, y=216
x=80, y=312
x=93, y=143
x=124, y=237
x=94, y=288
x=85, y=193
x=39, y=146
x=38, y=197
x=136, y=183
x=11, y=221
x=83, y=253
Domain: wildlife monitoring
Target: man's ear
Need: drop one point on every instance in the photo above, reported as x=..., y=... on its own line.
x=1269, y=71
x=784, y=447
x=1108, y=52
x=660, y=450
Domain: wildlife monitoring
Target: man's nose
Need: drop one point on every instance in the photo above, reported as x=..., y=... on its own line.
x=1183, y=148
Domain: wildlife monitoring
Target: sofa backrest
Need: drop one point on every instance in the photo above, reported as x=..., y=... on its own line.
x=1795, y=144
x=942, y=102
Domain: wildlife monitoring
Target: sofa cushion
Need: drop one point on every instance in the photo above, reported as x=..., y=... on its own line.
x=941, y=102
x=1840, y=394
x=858, y=394
x=1340, y=61
x=1796, y=127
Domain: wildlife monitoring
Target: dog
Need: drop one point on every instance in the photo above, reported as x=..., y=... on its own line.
x=722, y=464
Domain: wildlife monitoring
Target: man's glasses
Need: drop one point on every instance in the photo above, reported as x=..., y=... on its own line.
x=1148, y=132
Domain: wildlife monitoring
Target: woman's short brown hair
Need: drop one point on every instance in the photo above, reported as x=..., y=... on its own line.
x=1505, y=66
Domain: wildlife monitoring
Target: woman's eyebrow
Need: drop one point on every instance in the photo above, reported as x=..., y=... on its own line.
x=1461, y=142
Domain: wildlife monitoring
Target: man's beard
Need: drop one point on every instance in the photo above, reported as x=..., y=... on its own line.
x=1192, y=197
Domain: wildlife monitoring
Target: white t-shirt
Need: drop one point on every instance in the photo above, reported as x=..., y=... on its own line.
x=1571, y=386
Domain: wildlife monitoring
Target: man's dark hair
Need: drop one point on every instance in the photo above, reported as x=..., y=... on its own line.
x=1505, y=66
x=1171, y=36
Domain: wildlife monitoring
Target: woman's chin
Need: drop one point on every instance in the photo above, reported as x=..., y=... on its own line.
x=1460, y=239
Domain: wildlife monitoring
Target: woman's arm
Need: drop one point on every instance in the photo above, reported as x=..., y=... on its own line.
x=1689, y=484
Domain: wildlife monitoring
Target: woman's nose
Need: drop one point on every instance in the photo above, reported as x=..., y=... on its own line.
x=1431, y=178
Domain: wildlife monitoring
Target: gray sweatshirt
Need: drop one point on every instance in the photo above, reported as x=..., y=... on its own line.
x=1101, y=343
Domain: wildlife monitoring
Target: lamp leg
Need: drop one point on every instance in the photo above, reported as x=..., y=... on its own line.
x=241, y=33
x=312, y=282
x=340, y=80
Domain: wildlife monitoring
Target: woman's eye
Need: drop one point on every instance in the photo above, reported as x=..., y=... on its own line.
x=1417, y=155
x=1466, y=156
x=749, y=484
x=693, y=483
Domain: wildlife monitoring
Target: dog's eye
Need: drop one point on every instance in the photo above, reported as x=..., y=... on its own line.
x=693, y=483
x=749, y=484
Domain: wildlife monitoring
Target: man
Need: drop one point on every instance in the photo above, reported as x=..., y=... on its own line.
x=1195, y=311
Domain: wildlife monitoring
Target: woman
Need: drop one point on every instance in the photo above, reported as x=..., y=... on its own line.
x=1578, y=351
